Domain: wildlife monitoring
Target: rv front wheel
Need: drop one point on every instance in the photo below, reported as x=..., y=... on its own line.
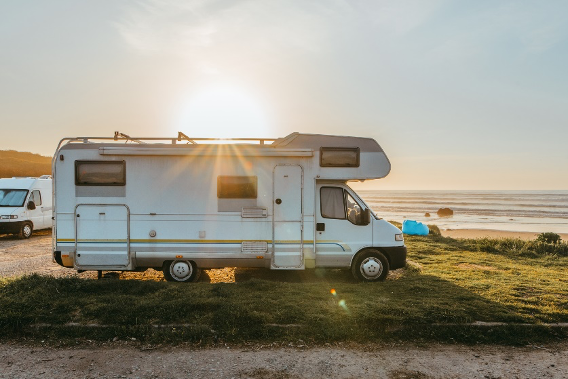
x=26, y=230
x=370, y=266
x=180, y=271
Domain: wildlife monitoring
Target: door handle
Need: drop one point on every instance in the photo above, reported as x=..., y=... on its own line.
x=320, y=227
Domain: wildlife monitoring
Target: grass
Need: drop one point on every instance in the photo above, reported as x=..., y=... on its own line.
x=447, y=286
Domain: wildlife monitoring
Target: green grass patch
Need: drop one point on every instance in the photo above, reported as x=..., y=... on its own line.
x=447, y=287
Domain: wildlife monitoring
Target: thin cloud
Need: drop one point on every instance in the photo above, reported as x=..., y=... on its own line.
x=188, y=28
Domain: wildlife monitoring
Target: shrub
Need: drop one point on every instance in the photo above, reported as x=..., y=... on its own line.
x=518, y=247
x=434, y=230
x=549, y=238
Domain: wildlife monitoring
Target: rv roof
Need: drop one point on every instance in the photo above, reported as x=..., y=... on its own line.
x=292, y=141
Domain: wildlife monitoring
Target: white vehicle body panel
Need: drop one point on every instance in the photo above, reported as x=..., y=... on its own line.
x=38, y=190
x=170, y=206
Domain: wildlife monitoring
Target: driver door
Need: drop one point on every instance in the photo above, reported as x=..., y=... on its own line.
x=339, y=230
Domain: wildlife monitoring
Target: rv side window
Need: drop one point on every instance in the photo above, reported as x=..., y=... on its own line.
x=36, y=198
x=236, y=187
x=100, y=173
x=332, y=202
x=339, y=157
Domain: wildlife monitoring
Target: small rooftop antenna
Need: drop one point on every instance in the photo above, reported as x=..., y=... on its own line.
x=118, y=135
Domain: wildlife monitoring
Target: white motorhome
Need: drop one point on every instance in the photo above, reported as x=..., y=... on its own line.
x=184, y=204
x=25, y=205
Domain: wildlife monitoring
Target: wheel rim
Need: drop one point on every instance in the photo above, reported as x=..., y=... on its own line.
x=180, y=270
x=371, y=268
x=27, y=230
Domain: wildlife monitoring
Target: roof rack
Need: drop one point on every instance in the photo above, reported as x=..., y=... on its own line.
x=118, y=136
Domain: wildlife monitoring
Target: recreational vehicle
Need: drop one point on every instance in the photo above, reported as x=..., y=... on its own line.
x=25, y=205
x=184, y=204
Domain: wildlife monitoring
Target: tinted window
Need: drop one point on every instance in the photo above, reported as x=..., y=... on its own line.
x=36, y=197
x=237, y=187
x=100, y=173
x=339, y=157
x=12, y=197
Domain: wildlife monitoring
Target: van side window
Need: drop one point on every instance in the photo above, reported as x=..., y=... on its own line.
x=100, y=173
x=237, y=187
x=332, y=202
x=36, y=197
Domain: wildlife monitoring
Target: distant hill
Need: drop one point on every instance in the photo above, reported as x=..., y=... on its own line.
x=17, y=163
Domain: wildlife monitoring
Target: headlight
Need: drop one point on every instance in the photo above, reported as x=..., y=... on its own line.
x=13, y=217
x=398, y=237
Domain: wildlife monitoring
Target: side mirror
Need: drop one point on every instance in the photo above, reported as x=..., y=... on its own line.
x=365, y=217
x=31, y=205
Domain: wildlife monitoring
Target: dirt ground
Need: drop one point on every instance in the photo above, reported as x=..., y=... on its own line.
x=131, y=360
x=398, y=362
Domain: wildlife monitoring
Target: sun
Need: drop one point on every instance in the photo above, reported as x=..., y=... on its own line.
x=222, y=111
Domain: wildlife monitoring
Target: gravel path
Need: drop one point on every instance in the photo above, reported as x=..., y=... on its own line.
x=398, y=362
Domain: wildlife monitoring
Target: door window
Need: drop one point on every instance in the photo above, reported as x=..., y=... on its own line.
x=332, y=202
x=353, y=209
x=337, y=203
x=36, y=197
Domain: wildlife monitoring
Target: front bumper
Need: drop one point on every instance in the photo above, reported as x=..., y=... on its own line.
x=11, y=227
x=396, y=256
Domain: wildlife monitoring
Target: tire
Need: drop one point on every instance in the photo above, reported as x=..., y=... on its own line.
x=370, y=266
x=180, y=271
x=26, y=230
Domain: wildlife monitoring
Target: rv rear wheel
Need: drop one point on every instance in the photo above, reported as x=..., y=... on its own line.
x=370, y=266
x=26, y=230
x=180, y=271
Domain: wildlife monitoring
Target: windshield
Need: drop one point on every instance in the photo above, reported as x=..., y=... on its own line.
x=12, y=197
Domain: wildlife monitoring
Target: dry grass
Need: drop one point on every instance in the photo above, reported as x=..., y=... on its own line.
x=446, y=288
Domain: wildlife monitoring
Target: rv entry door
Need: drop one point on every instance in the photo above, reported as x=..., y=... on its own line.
x=102, y=238
x=287, y=222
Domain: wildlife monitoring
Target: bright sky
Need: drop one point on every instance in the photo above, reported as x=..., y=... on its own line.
x=460, y=94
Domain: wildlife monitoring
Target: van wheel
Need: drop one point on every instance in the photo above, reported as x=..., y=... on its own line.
x=26, y=230
x=180, y=271
x=370, y=266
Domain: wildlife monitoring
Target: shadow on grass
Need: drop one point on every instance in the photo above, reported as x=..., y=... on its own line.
x=415, y=308
x=291, y=276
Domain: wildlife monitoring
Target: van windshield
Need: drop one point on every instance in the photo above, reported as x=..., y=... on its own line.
x=12, y=197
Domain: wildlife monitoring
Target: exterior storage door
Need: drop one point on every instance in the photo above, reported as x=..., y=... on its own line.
x=287, y=225
x=102, y=236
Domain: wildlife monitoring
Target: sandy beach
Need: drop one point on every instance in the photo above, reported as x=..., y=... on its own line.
x=491, y=233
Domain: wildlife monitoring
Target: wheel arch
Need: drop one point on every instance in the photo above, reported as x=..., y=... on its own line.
x=370, y=248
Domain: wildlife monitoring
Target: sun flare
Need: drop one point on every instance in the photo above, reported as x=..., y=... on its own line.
x=222, y=111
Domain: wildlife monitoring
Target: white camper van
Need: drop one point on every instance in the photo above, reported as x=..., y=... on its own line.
x=184, y=204
x=25, y=205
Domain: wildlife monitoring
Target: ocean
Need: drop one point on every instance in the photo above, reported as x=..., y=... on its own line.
x=520, y=211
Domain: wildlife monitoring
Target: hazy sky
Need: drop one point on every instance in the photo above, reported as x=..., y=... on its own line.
x=460, y=94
